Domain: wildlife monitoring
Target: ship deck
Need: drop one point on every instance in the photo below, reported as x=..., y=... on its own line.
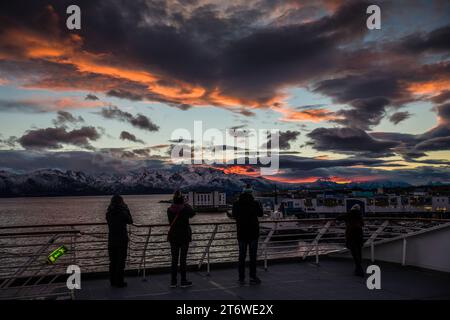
x=303, y=280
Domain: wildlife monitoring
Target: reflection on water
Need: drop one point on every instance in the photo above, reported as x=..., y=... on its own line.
x=89, y=248
x=146, y=209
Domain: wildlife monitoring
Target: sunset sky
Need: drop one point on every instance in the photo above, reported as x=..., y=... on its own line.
x=352, y=104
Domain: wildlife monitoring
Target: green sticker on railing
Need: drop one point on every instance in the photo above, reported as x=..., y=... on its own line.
x=56, y=254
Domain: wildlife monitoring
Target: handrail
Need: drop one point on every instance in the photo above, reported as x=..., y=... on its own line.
x=222, y=222
x=213, y=242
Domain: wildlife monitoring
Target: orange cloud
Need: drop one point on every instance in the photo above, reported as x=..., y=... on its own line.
x=49, y=104
x=240, y=169
x=75, y=103
x=312, y=115
x=433, y=87
x=292, y=180
x=23, y=44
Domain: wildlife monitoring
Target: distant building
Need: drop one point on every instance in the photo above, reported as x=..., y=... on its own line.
x=417, y=202
x=364, y=194
x=207, y=201
x=441, y=204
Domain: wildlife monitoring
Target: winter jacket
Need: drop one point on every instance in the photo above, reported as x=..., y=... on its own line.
x=118, y=217
x=354, y=223
x=179, y=231
x=246, y=211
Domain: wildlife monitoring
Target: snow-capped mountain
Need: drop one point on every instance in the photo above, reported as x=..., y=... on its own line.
x=146, y=181
x=56, y=182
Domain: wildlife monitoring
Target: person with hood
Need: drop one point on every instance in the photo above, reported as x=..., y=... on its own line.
x=354, y=236
x=246, y=211
x=179, y=236
x=118, y=217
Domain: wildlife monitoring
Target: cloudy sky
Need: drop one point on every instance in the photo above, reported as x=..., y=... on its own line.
x=352, y=104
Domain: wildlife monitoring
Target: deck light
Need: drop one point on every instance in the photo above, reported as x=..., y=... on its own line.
x=56, y=254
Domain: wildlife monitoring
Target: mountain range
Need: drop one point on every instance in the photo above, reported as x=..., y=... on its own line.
x=54, y=182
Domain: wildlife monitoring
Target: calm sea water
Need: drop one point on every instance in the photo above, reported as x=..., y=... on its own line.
x=145, y=209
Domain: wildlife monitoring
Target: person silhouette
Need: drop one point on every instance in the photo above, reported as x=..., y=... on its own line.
x=246, y=211
x=118, y=217
x=354, y=239
x=179, y=236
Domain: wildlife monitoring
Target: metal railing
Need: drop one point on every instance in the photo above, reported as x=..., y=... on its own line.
x=24, y=272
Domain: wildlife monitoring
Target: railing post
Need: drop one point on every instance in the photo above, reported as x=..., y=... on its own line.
x=317, y=252
x=73, y=246
x=31, y=259
x=206, y=252
x=372, y=252
x=265, y=259
x=404, y=252
x=266, y=241
x=207, y=267
x=143, y=265
x=316, y=240
x=144, y=254
x=129, y=246
x=377, y=232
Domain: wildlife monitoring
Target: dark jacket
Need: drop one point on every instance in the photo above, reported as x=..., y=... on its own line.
x=246, y=211
x=354, y=223
x=118, y=217
x=180, y=231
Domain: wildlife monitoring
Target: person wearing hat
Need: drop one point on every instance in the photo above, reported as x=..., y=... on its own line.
x=354, y=236
x=246, y=211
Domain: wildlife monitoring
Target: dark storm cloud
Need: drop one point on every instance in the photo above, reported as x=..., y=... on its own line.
x=239, y=131
x=445, y=162
x=203, y=46
x=258, y=63
x=87, y=162
x=284, y=139
x=411, y=155
x=55, y=138
x=298, y=164
x=139, y=121
x=303, y=163
x=417, y=176
x=123, y=94
x=21, y=106
x=364, y=114
x=245, y=112
x=398, y=117
x=443, y=127
x=348, y=140
x=366, y=86
x=215, y=48
x=142, y=152
x=441, y=98
x=64, y=117
x=415, y=145
x=246, y=56
x=91, y=96
x=435, y=41
x=125, y=135
x=222, y=147
x=181, y=140
x=443, y=112
x=183, y=106
x=434, y=144
x=394, y=136
x=10, y=142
